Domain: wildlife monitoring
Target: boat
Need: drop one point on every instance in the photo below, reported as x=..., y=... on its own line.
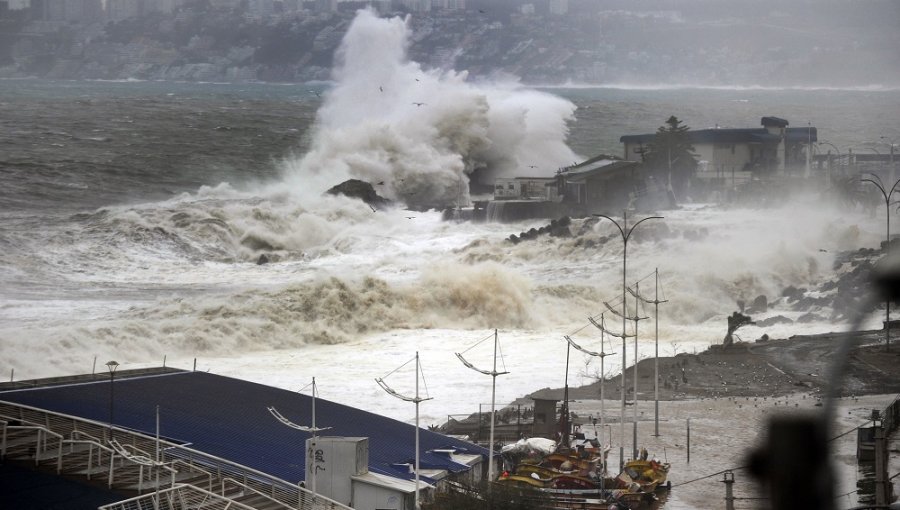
x=648, y=474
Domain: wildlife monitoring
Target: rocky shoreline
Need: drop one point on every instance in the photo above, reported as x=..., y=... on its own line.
x=772, y=368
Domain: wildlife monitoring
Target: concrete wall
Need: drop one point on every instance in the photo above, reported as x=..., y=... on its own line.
x=371, y=497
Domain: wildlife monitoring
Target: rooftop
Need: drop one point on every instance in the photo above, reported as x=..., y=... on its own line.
x=228, y=418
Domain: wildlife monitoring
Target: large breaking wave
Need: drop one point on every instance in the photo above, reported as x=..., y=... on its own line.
x=424, y=132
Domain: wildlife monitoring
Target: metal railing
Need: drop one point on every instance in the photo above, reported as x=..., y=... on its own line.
x=133, y=466
x=179, y=497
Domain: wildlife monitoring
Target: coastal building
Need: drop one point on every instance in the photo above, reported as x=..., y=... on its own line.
x=526, y=188
x=740, y=154
x=604, y=184
x=216, y=436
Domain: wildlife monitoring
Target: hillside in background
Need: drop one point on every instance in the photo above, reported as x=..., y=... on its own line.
x=657, y=42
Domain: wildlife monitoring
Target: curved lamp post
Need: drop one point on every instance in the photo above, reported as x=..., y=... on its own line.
x=874, y=179
x=626, y=235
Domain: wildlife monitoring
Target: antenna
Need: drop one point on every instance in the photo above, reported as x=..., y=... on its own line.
x=415, y=399
x=493, y=373
x=313, y=430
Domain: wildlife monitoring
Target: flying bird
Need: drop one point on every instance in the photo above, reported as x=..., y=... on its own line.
x=418, y=104
x=410, y=217
x=532, y=166
x=380, y=88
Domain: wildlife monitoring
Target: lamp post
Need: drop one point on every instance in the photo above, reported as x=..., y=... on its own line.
x=111, y=366
x=626, y=235
x=876, y=180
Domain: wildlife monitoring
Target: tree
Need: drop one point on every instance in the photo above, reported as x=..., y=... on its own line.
x=671, y=156
x=735, y=322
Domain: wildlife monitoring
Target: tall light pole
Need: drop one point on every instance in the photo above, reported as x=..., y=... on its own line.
x=876, y=180
x=626, y=235
x=310, y=453
x=493, y=373
x=111, y=366
x=415, y=399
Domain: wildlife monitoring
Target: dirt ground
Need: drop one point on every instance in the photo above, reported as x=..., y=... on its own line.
x=730, y=395
x=772, y=368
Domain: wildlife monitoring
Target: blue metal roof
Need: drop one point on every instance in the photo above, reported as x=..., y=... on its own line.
x=228, y=418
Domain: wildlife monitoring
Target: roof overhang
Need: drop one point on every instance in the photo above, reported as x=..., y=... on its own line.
x=389, y=482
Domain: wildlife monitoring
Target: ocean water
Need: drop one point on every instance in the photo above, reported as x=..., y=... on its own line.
x=132, y=216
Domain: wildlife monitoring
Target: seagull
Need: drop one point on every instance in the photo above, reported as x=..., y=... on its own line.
x=380, y=183
x=410, y=217
x=316, y=92
x=418, y=104
x=417, y=79
x=532, y=166
x=380, y=88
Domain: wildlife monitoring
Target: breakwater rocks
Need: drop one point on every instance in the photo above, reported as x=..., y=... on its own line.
x=835, y=299
x=556, y=228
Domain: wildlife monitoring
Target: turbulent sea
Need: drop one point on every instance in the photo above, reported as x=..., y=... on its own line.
x=132, y=216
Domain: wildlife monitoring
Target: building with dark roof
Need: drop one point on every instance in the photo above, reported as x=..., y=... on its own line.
x=224, y=425
x=740, y=154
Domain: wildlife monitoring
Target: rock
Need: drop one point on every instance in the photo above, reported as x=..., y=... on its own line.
x=771, y=321
x=759, y=305
x=355, y=188
x=263, y=259
x=809, y=317
x=793, y=293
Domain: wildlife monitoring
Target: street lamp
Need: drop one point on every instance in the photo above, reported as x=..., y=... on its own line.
x=876, y=180
x=111, y=366
x=626, y=235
